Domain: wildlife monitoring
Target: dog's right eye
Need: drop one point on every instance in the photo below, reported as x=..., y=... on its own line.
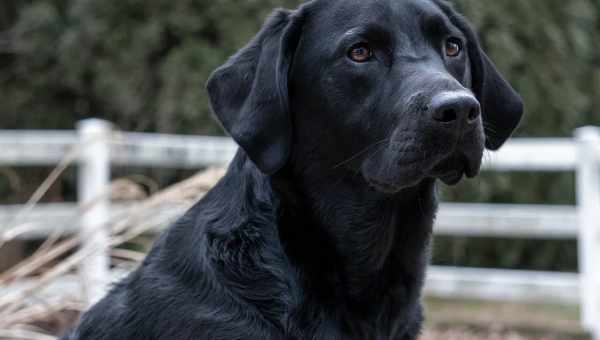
x=360, y=52
x=453, y=47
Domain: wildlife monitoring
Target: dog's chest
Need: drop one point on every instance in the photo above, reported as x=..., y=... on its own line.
x=395, y=314
x=402, y=323
x=384, y=305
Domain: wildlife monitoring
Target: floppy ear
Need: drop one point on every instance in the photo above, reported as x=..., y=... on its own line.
x=501, y=105
x=249, y=93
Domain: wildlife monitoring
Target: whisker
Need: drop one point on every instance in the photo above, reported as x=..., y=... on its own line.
x=490, y=128
x=358, y=154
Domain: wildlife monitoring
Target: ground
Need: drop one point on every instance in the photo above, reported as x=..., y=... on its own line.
x=472, y=320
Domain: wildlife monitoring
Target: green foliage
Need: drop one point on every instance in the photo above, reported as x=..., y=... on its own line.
x=143, y=65
x=550, y=255
x=140, y=64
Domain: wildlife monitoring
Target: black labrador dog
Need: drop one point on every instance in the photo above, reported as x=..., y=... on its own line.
x=346, y=113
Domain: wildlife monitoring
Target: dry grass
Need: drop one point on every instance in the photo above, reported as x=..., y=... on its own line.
x=23, y=309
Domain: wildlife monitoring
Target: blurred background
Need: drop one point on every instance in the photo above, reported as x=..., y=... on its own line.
x=142, y=65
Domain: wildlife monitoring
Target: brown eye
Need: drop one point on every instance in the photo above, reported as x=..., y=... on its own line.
x=453, y=47
x=360, y=52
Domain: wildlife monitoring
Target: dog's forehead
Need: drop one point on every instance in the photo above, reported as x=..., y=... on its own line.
x=348, y=13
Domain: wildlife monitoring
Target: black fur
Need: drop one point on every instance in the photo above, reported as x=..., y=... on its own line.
x=321, y=227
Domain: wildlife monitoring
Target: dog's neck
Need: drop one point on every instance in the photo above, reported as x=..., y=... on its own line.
x=360, y=240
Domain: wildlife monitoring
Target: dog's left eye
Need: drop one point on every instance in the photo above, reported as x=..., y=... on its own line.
x=453, y=47
x=360, y=52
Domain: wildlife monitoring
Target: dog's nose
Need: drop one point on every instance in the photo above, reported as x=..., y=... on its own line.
x=454, y=109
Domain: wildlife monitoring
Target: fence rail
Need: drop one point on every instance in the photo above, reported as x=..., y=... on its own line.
x=503, y=285
x=41, y=147
x=32, y=147
x=454, y=219
x=582, y=222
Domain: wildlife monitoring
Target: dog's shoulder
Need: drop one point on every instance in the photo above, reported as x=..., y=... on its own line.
x=217, y=270
x=227, y=248
x=243, y=247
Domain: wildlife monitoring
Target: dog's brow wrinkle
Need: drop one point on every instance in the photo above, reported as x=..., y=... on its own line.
x=411, y=57
x=434, y=22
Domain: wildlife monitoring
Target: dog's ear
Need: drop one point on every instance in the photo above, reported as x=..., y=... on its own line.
x=249, y=93
x=501, y=105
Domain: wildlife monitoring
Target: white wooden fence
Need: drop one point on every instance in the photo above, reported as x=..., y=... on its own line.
x=97, y=147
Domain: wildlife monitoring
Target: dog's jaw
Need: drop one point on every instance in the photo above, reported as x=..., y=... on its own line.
x=405, y=162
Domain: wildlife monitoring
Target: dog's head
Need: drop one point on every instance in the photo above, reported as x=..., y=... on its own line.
x=399, y=90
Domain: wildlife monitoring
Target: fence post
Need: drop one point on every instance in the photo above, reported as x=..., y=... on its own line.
x=94, y=200
x=588, y=202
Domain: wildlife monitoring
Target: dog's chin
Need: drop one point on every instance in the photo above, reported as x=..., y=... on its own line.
x=383, y=187
x=383, y=177
x=386, y=185
x=392, y=181
x=452, y=169
x=452, y=178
